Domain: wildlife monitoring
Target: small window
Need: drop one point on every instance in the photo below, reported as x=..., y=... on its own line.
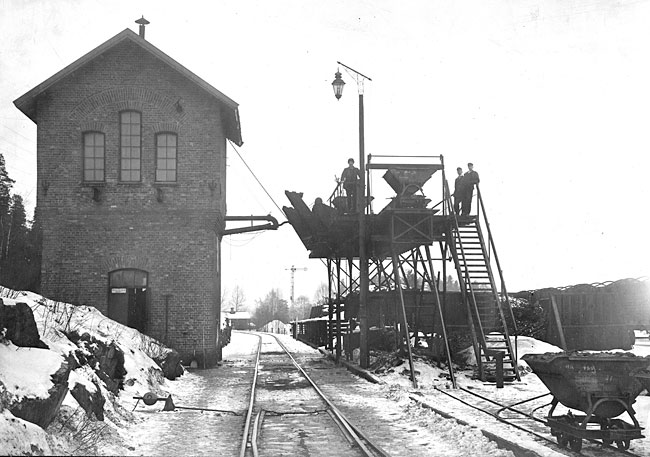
x=166, y=157
x=93, y=156
x=130, y=145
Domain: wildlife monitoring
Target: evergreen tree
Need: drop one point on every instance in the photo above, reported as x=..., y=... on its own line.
x=271, y=308
x=34, y=249
x=6, y=183
x=16, y=256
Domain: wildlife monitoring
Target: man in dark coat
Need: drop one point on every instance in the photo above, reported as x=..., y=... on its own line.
x=469, y=180
x=459, y=190
x=350, y=179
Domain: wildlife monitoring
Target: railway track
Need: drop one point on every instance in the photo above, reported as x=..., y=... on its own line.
x=289, y=415
x=528, y=416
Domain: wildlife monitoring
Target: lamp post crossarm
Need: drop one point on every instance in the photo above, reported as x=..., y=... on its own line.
x=358, y=77
x=352, y=69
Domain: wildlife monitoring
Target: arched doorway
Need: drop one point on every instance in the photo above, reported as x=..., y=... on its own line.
x=127, y=297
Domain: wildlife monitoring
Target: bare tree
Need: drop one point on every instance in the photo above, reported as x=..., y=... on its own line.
x=322, y=293
x=237, y=299
x=301, y=308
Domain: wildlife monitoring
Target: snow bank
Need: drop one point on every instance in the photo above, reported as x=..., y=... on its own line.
x=19, y=437
x=26, y=372
x=79, y=332
x=525, y=345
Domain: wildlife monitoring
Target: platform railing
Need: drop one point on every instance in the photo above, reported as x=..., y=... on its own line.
x=337, y=192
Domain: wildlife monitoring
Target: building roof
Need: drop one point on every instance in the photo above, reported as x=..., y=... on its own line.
x=238, y=315
x=27, y=102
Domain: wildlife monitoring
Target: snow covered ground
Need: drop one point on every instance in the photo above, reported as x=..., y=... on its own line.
x=431, y=377
x=24, y=372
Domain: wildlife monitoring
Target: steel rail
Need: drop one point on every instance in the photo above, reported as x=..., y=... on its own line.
x=354, y=432
x=509, y=407
x=529, y=416
x=249, y=413
x=256, y=431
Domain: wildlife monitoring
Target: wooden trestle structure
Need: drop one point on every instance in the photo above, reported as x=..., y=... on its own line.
x=405, y=286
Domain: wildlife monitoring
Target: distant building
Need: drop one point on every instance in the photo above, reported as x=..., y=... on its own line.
x=238, y=320
x=276, y=326
x=132, y=190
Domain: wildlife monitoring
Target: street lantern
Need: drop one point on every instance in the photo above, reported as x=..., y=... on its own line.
x=338, y=84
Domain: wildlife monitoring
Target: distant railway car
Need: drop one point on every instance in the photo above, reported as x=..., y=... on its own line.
x=597, y=316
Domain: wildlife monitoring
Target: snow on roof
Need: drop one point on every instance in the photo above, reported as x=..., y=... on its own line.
x=238, y=315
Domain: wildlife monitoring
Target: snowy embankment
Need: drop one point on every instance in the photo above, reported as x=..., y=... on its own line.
x=95, y=365
x=432, y=379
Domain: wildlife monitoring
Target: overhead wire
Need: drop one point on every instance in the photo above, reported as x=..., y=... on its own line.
x=256, y=178
x=241, y=242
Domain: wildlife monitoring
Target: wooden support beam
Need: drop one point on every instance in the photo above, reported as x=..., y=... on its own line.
x=558, y=323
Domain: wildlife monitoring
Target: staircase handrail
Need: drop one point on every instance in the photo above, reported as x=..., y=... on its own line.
x=482, y=341
x=481, y=211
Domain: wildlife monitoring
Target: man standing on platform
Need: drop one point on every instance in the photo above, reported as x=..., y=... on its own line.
x=350, y=179
x=469, y=180
x=459, y=190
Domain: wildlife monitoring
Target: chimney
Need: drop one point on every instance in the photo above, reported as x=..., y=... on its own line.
x=143, y=22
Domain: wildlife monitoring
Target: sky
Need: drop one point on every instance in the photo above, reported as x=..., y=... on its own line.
x=549, y=100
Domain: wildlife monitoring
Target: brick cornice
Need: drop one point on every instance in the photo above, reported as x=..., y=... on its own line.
x=125, y=97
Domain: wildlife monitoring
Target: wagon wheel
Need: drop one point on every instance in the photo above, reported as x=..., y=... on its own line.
x=575, y=444
x=605, y=427
x=623, y=444
x=150, y=398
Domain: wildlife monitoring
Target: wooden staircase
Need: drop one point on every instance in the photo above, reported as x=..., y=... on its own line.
x=487, y=320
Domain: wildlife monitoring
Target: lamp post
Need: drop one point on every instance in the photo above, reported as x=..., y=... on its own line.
x=337, y=85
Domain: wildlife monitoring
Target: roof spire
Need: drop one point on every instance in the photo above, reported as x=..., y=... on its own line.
x=143, y=22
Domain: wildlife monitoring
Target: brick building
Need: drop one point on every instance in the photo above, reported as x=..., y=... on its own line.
x=131, y=150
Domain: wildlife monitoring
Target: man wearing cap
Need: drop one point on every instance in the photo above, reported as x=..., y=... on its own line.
x=350, y=179
x=469, y=180
x=459, y=190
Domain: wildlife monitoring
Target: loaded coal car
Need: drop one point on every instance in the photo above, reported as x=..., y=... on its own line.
x=603, y=385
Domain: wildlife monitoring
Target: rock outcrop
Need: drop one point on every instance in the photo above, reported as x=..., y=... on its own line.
x=170, y=363
x=21, y=328
x=91, y=401
x=107, y=360
x=41, y=411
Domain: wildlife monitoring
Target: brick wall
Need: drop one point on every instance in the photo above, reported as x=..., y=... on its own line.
x=168, y=230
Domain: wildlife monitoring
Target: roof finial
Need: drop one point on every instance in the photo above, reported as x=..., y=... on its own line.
x=142, y=21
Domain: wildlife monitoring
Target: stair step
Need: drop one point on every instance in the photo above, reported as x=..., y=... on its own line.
x=505, y=364
x=492, y=360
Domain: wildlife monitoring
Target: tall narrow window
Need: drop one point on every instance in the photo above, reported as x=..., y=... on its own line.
x=130, y=145
x=166, y=157
x=93, y=156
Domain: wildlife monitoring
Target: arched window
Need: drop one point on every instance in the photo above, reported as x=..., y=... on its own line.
x=166, y=144
x=93, y=154
x=130, y=146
